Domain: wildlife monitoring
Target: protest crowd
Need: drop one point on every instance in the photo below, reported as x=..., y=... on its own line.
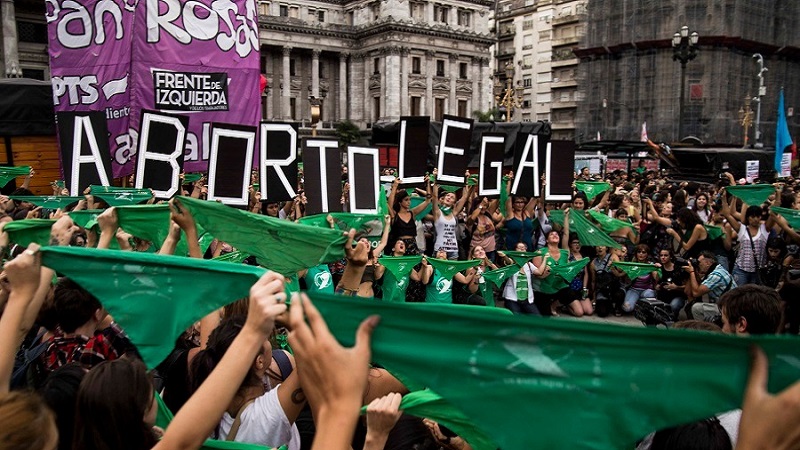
x=266, y=371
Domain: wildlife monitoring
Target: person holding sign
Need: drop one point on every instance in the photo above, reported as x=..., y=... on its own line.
x=518, y=220
x=445, y=211
x=373, y=270
x=403, y=217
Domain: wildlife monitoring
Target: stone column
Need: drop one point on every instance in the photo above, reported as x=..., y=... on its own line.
x=405, y=100
x=392, y=89
x=10, y=50
x=286, y=83
x=368, y=73
x=356, y=98
x=430, y=69
x=487, y=86
x=315, y=72
x=343, y=114
x=475, y=74
x=429, y=13
x=453, y=103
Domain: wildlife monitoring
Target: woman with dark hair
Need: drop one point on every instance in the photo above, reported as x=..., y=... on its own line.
x=60, y=392
x=518, y=221
x=693, y=237
x=771, y=273
x=549, y=287
x=625, y=235
x=702, y=208
x=580, y=201
x=705, y=434
x=482, y=220
x=579, y=286
x=403, y=218
x=673, y=278
x=373, y=271
x=266, y=413
x=643, y=286
x=752, y=236
x=109, y=417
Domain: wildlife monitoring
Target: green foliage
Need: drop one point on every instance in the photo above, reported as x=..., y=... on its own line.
x=347, y=132
x=486, y=116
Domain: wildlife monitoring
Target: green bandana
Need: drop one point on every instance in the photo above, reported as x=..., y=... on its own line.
x=587, y=233
x=449, y=188
x=396, y=277
x=345, y=221
x=714, y=232
x=520, y=258
x=416, y=201
x=606, y=223
x=792, y=216
x=445, y=210
x=429, y=405
x=152, y=223
x=189, y=178
x=504, y=193
x=235, y=257
x=499, y=276
x=9, y=173
x=635, y=270
x=522, y=286
x=752, y=194
x=383, y=201
x=85, y=218
x=319, y=279
x=592, y=188
x=152, y=296
x=562, y=272
x=472, y=180
x=279, y=245
x=449, y=268
x=581, y=369
x=118, y=196
x=23, y=232
x=48, y=201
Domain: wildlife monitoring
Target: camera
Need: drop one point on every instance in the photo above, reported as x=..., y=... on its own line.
x=683, y=262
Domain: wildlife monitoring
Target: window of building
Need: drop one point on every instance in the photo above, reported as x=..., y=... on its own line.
x=565, y=96
x=462, y=108
x=526, y=104
x=462, y=71
x=416, y=64
x=376, y=65
x=292, y=67
x=544, y=77
x=375, y=7
x=527, y=61
x=263, y=8
x=543, y=97
x=284, y=10
x=263, y=63
x=545, y=35
x=464, y=17
x=34, y=74
x=527, y=82
x=416, y=106
x=321, y=15
x=376, y=109
x=527, y=42
x=417, y=10
x=439, y=67
x=527, y=24
x=543, y=116
x=293, y=108
x=350, y=17
x=294, y=12
x=439, y=111
x=544, y=56
x=441, y=13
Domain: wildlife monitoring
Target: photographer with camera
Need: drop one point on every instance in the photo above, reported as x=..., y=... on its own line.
x=716, y=280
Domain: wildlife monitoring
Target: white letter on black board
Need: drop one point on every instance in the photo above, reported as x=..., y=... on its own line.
x=412, y=158
x=145, y=154
x=228, y=182
x=84, y=125
x=321, y=165
x=271, y=168
x=362, y=170
x=531, y=147
x=487, y=164
x=444, y=149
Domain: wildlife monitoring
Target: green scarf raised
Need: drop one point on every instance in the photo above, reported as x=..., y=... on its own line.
x=792, y=216
x=48, y=201
x=449, y=268
x=279, y=245
x=714, y=232
x=520, y=258
x=608, y=224
x=235, y=257
x=344, y=221
x=752, y=194
x=592, y=188
x=635, y=270
x=416, y=201
x=587, y=233
x=152, y=223
x=396, y=278
x=119, y=196
x=9, y=173
x=189, y=178
x=23, y=232
x=499, y=276
x=85, y=218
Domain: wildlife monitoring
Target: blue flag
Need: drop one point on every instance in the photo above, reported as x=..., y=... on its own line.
x=782, y=137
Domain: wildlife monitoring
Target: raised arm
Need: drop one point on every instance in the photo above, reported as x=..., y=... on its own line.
x=421, y=207
x=435, y=201
x=565, y=232
x=392, y=193
x=726, y=212
x=185, y=220
x=387, y=222
x=465, y=193
x=654, y=217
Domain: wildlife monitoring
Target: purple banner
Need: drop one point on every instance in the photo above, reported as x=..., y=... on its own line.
x=90, y=48
x=198, y=58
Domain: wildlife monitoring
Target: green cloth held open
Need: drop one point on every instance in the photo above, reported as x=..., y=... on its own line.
x=608, y=224
x=85, y=218
x=23, y=232
x=592, y=188
x=792, y=216
x=752, y=194
x=396, y=277
x=714, y=232
x=152, y=223
x=520, y=258
x=279, y=245
x=235, y=257
x=499, y=276
x=153, y=297
x=449, y=268
x=9, y=173
x=48, y=201
x=635, y=270
x=587, y=233
x=119, y=196
x=344, y=221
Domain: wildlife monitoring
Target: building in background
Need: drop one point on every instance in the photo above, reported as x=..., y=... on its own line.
x=627, y=74
x=24, y=40
x=538, y=38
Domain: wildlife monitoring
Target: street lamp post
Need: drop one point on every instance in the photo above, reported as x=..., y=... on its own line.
x=511, y=97
x=762, y=91
x=684, y=49
x=746, y=118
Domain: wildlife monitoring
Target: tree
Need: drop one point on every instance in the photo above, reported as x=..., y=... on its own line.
x=485, y=116
x=347, y=133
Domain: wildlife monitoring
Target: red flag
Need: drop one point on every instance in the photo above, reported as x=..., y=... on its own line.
x=262, y=84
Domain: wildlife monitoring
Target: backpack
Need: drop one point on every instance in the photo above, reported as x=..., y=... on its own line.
x=23, y=375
